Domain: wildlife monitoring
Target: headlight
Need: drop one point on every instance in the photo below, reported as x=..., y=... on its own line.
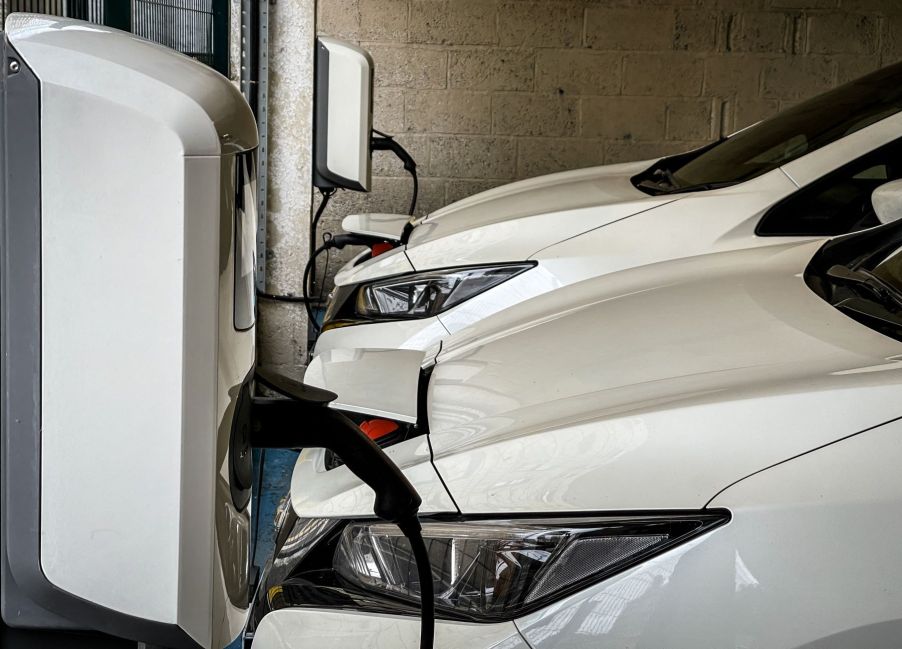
x=485, y=570
x=421, y=295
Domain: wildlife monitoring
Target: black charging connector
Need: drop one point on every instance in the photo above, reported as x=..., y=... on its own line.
x=383, y=142
x=305, y=420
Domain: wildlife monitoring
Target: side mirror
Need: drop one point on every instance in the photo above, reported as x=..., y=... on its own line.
x=887, y=201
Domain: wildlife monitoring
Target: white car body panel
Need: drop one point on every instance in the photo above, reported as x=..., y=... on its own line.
x=582, y=224
x=694, y=224
x=393, y=262
x=515, y=291
x=317, y=493
x=403, y=334
x=725, y=383
x=541, y=431
x=735, y=586
x=714, y=221
x=385, y=226
x=517, y=239
x=358, y=377
x=300, y=629
x=782, y=366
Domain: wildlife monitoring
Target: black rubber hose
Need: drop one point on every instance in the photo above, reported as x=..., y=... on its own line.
x=308, y=272
x=293, y=299
x=414, y=533
x=416, y=191
x=314, y=225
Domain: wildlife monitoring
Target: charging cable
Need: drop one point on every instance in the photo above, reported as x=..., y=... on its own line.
x=414, y=533
x=384, y=142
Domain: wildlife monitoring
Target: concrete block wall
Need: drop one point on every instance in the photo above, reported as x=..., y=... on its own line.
x=483, y=92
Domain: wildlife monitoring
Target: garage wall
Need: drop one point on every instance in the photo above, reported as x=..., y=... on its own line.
x=488, y=91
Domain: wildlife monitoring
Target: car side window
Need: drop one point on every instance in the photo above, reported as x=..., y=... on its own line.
x=838, y=203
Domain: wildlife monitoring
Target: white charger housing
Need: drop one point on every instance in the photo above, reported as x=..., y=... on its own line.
x=128, y=336
x=343, y=116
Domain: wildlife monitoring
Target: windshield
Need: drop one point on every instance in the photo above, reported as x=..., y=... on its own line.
x=777, y=141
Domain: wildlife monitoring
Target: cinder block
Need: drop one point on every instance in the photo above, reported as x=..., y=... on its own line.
x=453, y=22
x=578, y=72
x=664, y=3
x=663, y=75
x=472, y=156
x=448, y=111
x=733, y=74
x=797, y=77
x=402, y=66
x=737, y=5
x=623, y=118
x=892, y=38
x=540, y=24
x=492, y=69
x=382, y=20
x=842, y=33
x=760, y=31
x=690, y=119
x=883, y=6
x=339, y=19
x=615, y=152
x=696, y=30
x=388, y=110
x=751, y=110
x=628, y=28
x=456, y=190
x=849, y=67
x=534, y=115
x=540, y=156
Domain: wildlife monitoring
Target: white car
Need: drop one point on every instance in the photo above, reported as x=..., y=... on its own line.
x=807, y=172
x=703, y=452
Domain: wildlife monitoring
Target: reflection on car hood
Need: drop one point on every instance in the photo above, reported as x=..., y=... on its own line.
x=655, y=387
x=512, y=222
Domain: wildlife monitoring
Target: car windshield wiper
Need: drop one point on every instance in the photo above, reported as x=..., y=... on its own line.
x=886, y=294
x=660, y=181
x=660, y=189
x=700, y=187
x=660, y=178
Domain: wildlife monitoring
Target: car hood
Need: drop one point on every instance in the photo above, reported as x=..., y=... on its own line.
x=513, y=222
x=653, y=388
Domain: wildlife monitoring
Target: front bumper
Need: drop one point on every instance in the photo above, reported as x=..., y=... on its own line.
x=315, y=629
